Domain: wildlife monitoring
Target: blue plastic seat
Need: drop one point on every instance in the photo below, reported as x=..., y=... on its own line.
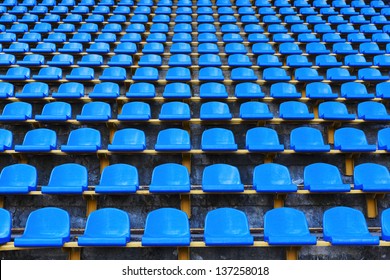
x=6, y=226
x=41, y=28
x=121, y=60
x=117, y=18
x=177, y=90
x=221, y=178
x=384, y=139
x=6, y=139
x=289, y=48
x=175, y=111
x=284, y=90
x=61, y=60
x=272, y=178
x=135, y=111
x=101, y=10
x=153, y=48
x=83, y=140
x=126, y=48
x=267, y=60
x=336, y=38
x=73, y=18
x=180, y=48
x=48, y=19
x=97, y=111
x=323, y=177
x=209, y=60
x=380, y=38
x=8, y=18
x=257, y=38
x=18, y=179
x=208, y=48
x=167, y=227
x=287, y=226
x=77, y=38
x=105, y=90
x=307, y=139
x=294, y=110
x=118, y=179
x=34, y=90
x=357, y=38
x=235, y=48
x=45, y=227
x=55, y=111
x=179, y=74
x=213, y=90
x=263, y=139
x=49, y=73
x=180, y=60
x=355, y=90
x=382, y=90
x=347, y=226
x=370, y=110
x=297, y=60
x=186, y=38
x=355, y=60
x=80, y=74
x=339, y=74
x=71, y=48
x=91, y=60
x=182, y=28
x=128, y=139
x=146, y=74
x=262, y=48
x=349, y=139
x=218, y=139
x=332, y=110
x=370, y=74
x=243, y=74
x=210, y=74
x=320, y=90
x=159, y=28
x=38, y=140
x=135, y=28
x=60, y=10
x=6, y=90
x=163, y=19
x=255, y=110
x=142, y=10
x=17, y=48
x=141, y=90
x=65, y=28
x=371, y=177
x=173, y=139
x=336, y=19
x=156, y=38
x=227, y=227
x=33, y=38
x=381, y=60
x=17, y=111
x=106, y=227
x=370, y=48
x=232, y=38
x=346, y=29
x=248, y=90
x=69, y=90
x=307, y=74
x=343, y=48
x=113, y=74
x=222, y=19
x=112, y=28
x=316, y=48
x=7, y=37
x=170, y=178
x=271, y=19
x=275, y=74
x=18, y=28
x=18, y=73
x=32, y=60
x=102, y=48
x=323, y=28
x=359, y=19
x=150, y=60
x=293, y=19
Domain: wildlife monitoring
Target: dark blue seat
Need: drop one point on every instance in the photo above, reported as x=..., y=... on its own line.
x=268, y=60
x=17, y=73
x=6, y=90
x=255, y=110
x=371, y=177
x=284, y=90
x=17, y=111
x=215, y=110
x=294, y=110
x=83, y=140
x=128, y=139
x=307, y=74
x=385, y=223
x=6, y=139
x=370, y=110
x=49, y=73
x=69, y=90
x=307, y=139
x=141, y=90
x=218, y=139
x=175, y=111
x=170, y=178
x=135, y=110
x=6, y=226
x=95, y=111
x=332, y=110
x=167, y=227
x=106, y=227
x=81, y=74
x=18, y=179
x=248, y=90
x=221, y=178
x=339, y=74
x=118, y=179
x=173, y=139
x=34, y=90
x=275, y=74
x=68, y=178
x=287, y=226
x=370, y=74
x=272, y=178
x=45, y=227
x=145, y=74
x=320, y=90
x=180, y=74
x=355, y=90
x=227, y=227
x=213, y=90
x=38, y=140
x=383, y=90
x=347, y=226
x=323, y=177
x=349, y=139
x=263, y=139
x=383, y=139
x=55, y=111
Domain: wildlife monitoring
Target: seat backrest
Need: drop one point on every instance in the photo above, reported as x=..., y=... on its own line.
x=5, y=226
x=214, y=107
x=371, y=108
x=282, y=88
x=84, y=137
x=18, y=175
x=106, y=87
x=306, y=136
x=370, y=174
x=353, y=87
x=385, y=225
x=271, y=174
x=129, y=136
x=177, y=88
x=69, y=174
x=72, y=87
x=332, y=107
x=96, y=108
x=41, y=137
x=175, y=108
x=170, y=174
x=321, y=174
x=221, y=174
x=48, y=222
x=261, y=136
x=349, y=136
x=57, y=108
x=136, y=108
x=217, y=136
x=6, y=138
x=6, y=89
x=37, y=88
x=212, y=87
x=318, y=88
x=293, y=107
x=119, y=175
x=173, y=136
x=17, y=109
